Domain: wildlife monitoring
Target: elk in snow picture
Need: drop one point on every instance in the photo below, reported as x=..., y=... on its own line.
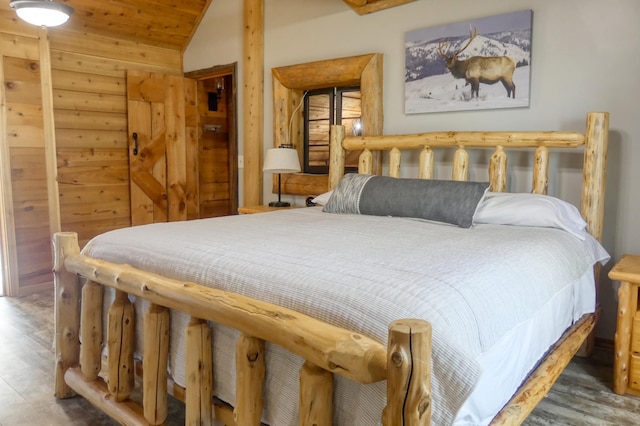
x=478, y=64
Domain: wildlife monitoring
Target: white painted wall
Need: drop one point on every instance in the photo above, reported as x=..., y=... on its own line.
x=585, y=57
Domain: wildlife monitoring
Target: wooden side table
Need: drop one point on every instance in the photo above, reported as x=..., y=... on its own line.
x=262, y=209
x=626, y=366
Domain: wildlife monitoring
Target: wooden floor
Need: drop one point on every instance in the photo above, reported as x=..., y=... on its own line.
x=581, y=396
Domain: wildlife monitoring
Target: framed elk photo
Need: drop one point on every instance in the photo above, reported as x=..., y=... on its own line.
x=478, y=64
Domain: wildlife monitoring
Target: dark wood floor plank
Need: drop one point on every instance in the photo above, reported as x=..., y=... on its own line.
x=594, y=396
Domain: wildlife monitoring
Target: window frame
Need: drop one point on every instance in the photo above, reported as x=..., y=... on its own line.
x=336, y=95
x=289, y=85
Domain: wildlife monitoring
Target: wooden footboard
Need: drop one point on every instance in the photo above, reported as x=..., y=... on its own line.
x=327, y=349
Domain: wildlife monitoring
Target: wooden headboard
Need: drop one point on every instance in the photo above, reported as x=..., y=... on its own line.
x=594, y=139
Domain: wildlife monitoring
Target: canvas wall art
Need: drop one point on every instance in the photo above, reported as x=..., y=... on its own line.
x=471, y=65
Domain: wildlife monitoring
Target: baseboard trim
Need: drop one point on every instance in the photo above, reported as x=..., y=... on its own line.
x=25, y=291
x=601, y=342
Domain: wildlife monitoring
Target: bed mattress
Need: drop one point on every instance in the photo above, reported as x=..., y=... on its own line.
x=497, y=296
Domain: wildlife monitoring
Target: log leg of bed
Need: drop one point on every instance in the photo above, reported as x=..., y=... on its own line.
x=121, y=343
x=316, y=396
x=408, y=374
x=199, y=369
x=156, y=353
x=91, y=330
x=67, y=315
x=250, y=370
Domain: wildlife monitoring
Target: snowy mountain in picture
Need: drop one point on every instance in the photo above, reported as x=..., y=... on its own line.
x=431, y=87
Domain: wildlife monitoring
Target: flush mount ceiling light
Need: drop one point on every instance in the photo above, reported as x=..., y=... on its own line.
x=44, y=13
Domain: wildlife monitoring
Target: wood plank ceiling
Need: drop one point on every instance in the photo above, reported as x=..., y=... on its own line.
x=163, y=23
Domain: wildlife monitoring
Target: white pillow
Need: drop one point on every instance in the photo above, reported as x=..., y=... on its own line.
x=322, y=199
x=524, y=209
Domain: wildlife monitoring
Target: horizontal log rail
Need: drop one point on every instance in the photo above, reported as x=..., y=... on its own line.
x=466, y=139
x=545, y=375
x=331, y=348
x=125, y=412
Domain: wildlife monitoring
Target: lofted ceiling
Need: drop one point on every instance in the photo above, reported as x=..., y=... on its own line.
x=162, y=23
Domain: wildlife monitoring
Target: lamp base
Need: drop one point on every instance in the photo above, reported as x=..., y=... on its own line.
x=279, y=204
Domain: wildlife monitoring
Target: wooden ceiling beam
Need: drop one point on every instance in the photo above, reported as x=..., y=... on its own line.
x=363, y=7
x=356, y=3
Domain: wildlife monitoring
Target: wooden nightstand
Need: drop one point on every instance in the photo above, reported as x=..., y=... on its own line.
x=626, y=367
x=262, y=209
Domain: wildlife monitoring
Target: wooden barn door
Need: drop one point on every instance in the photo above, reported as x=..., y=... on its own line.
x=163, y=147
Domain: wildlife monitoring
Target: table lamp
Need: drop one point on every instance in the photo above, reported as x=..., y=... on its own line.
x=281, y=160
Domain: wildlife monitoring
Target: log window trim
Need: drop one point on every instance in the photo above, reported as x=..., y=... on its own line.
x=289, y=85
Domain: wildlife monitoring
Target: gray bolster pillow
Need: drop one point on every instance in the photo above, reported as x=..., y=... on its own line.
x=446, y=201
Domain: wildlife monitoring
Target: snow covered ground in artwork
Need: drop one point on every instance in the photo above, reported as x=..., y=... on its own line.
x=444, y=93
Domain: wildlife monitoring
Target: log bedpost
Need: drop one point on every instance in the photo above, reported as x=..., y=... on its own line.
x=595, y=176
x=67, y=315
x=593, y=191
x=156, y=353
x=408, y=374
x=316, y=396
x=121, y=342
x=199, y=366
x=250, y=370
x=336, y=156
x=91, y=330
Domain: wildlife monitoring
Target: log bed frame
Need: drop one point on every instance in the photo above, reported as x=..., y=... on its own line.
x=327, y=350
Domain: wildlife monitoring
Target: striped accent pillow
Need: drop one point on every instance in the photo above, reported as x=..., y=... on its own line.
x=346, y=198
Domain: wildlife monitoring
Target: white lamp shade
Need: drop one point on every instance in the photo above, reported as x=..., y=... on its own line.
x=44, y=13
x=281, y=160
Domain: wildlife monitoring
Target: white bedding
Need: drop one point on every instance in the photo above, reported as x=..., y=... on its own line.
x=479, y=287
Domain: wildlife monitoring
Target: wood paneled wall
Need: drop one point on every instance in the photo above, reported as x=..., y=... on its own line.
x=84, y=95
x=24, y=176
x=90, y=108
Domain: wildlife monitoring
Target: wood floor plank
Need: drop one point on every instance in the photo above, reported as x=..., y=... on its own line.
x=581, y=396
x=595, y=395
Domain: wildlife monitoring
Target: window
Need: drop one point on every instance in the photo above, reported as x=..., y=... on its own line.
x=289, y=85
x=323, y=108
